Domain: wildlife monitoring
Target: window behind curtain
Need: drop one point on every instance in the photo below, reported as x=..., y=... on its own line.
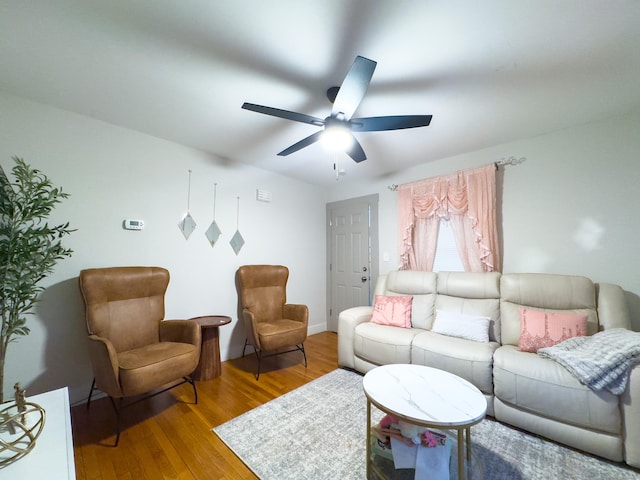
x=447, y=257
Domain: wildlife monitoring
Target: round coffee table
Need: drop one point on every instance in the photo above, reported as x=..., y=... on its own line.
x=209, y=366
x=427, y=397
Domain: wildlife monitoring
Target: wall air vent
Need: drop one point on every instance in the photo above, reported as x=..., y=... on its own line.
x=263, y=196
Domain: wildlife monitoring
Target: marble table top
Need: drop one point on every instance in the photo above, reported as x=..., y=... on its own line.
x=425, y=395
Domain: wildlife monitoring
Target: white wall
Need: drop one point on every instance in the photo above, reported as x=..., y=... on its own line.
x=571, y=208
x=111, y=174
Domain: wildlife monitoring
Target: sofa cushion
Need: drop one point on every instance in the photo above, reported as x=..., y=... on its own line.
x=420, y=285
x=453, y=324
x=471, y=293
x=392, y=310
x=541, y=386
x=540, y=329
x=560, y=293
x=143, y=369
x=382, y=344
x=469, y=284
x=468, y=359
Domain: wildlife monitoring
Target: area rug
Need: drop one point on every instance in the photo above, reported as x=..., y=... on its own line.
x=318, y=432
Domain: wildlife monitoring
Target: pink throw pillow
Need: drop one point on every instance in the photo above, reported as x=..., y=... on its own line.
x=539, y=329
x=394, y=310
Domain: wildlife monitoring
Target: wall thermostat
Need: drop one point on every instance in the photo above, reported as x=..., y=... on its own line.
x=130, y=224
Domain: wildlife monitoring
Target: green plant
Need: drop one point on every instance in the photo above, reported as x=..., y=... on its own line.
x=29, y=248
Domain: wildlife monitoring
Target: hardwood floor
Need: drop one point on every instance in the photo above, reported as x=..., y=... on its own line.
x=169, y=437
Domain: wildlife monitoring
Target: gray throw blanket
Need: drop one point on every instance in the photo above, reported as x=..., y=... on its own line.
x=600, y=361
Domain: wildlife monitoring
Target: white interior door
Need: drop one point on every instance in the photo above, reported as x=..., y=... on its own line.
x=352, y=255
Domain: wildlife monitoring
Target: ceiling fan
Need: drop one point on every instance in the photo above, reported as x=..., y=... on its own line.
x=346, y=99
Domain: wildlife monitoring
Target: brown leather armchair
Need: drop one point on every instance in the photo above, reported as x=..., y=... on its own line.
x=133, y=350
x=271, y=324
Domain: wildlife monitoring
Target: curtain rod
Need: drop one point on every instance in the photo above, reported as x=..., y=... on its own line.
x=504, y=161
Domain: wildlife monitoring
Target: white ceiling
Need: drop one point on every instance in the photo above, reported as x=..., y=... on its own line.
x=489, y=72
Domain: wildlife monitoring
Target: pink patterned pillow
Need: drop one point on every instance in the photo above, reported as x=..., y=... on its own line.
x=394, y=310
x=539, y=329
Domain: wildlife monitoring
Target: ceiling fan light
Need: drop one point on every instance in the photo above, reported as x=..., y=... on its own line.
x=337, y=138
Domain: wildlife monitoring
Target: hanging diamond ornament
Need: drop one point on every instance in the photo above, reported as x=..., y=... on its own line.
x=213, y=232
x=237, y=241
x=187, y=224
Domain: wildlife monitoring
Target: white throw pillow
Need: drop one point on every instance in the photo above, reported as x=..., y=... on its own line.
x=471, y=327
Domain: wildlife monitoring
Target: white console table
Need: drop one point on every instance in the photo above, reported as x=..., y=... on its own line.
x=52, y=457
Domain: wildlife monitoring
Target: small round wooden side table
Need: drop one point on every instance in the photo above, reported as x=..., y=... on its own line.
x=210, y=366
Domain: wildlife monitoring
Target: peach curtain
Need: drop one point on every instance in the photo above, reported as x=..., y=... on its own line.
x=467, y=199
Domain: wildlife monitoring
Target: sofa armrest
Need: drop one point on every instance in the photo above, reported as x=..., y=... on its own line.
x=613, y=311
x=299, y=313
x=181, y=331
x=348, y=320
x=630, y=403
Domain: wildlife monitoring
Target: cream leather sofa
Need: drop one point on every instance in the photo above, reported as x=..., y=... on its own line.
x=522, y=389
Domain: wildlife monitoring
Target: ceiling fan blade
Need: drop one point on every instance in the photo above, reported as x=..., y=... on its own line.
x=353, y=87
x=305, y=142
x=277, y=112
x=356, y=152
x=394, y=122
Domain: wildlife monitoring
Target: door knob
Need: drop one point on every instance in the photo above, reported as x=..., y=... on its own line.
x=364, y=279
